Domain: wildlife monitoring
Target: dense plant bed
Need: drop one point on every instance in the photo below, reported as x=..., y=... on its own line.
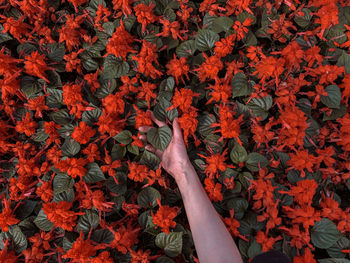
x=261, y=89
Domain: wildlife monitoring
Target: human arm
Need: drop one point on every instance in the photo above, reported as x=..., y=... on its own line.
x=212, y=240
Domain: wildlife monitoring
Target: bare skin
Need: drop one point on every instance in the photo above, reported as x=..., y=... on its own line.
x=212, y=240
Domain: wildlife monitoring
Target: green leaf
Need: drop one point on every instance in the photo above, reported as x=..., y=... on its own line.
x=205, y=39
x=55, y=98
x=167, y=84
x=336, y=113
x=94, y=174
x=70, y=147
x=56, y=51
x=150, y=159
x=88, y=221
x=102, y=236
x=335, y=250
x=159, y=137
x=305, y=19
x=260, y=106
x=4, y=36
x=67, y=195
x=250, y=39
x=61, y=117
x=118, y=152
x=148, y=197
x=333, y=260
x=186, y=48
x=161, y=113
x=124, y=137
x=115, y=67
x=18, y=238
x=333, y=98
x=61, y=183
x=164, y=259
x=30, y=86
x=95, y=3
x=324, y=233
x=90, y=64
x=171, y=243
x=256, y=161
x=205, y=120
x=344, y=60
x=254, y=249
x=25, y=209
x=238, y=153
x=240, y=85
x=119, y=188
x=91, y=116
x=42, y=222
x=239, y=205
x=221, y=23
x=40, y=135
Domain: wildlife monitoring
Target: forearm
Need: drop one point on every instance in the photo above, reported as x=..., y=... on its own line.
x=212, y=240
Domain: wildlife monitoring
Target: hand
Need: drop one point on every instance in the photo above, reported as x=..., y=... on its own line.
x=174, y=159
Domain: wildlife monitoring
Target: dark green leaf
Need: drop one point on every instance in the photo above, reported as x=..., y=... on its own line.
x=256, y=161
x=70, y=147
x=88, y=221
x=205, y=39
x=124, y=137
x=115, y=67
x=67, y=195
x=61, y=117
x=303, y=20
x=324, y=233
x=150, y=159
x=61, y=183
x=161, y=113
x=148, y=197
x=102, y=236
x=240, y=85
x=25, y=209
x=42, y=222
x=164, y=259
x=333, y=98
x=239, y=205
x=186, y=48
x=238, y=153
x=333, y=260
x=4, y=36
x=171, y=243
x=91, y=116
x=335, y=114
x=55, y=98
x=56, y=51
x=335, y=250
x=40, y=135
x=118, y=152
x=18, y=238
x=205, y=121
x=159, y=137
x=260, y=106
x=254, y=249
x=119, y=188
x=94, y=174
x=221, y=23
x=95, y=3
x=344, y=60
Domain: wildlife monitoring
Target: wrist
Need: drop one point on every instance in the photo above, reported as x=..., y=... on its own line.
x=186, y=172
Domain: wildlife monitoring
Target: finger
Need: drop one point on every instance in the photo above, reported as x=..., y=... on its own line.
x=177, y=129
x=145, y=128
x=154, y=150
x=158, y=122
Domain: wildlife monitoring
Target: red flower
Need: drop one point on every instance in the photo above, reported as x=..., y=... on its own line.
x=61, y=215
x=27, y=125
x=35, y=65
x=83, y=133
x=145, y=14
x=73, y=166
x=164, y=217
x=7, y=218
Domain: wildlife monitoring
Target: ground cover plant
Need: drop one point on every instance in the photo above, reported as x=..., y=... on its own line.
x=261, y=90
